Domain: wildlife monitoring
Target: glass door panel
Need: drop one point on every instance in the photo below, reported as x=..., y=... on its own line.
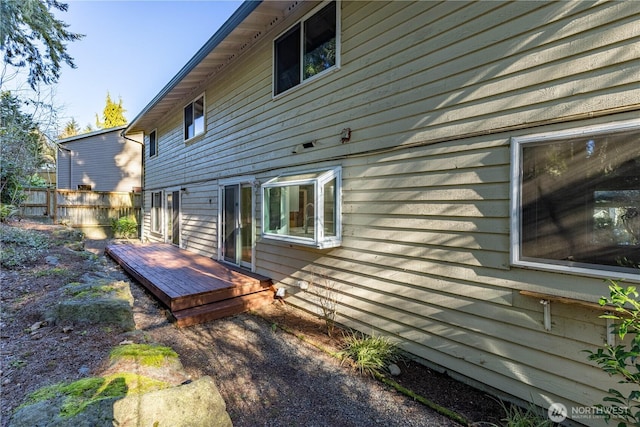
x=237, y=224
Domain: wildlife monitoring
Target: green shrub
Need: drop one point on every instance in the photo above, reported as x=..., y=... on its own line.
x=515, y=416
x=20, y=247
x=621, y=361
x=7, y=211
x=370, y=354
x=125, y=226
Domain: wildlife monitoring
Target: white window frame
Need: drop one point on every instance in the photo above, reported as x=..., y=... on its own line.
x=301, y=22
x=191, y=104
x=242, y=180
x=319, y=241
x=165, y=214
x=517, y=144
x=154, y=144
x=159, y=214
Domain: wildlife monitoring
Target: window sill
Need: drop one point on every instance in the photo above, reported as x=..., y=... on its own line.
x=578, y=269
x=194, y=139
x=309, y=243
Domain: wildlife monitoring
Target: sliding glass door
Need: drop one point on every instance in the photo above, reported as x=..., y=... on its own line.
x=237, y=224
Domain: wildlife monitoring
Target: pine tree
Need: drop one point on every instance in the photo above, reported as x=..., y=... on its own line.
x=72, y=128
x=112, y=115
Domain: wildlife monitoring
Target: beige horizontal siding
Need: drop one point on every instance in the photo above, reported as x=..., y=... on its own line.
x=433, y=92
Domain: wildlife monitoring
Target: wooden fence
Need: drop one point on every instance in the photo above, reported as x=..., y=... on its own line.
x=91, y=211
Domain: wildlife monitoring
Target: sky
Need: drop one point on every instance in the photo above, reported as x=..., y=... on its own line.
x=131, y=49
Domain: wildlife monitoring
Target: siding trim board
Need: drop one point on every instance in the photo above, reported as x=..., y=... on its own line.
x=437, y=95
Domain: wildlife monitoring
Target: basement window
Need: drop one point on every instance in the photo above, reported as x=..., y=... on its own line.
x=576, y=201
x=304, y=209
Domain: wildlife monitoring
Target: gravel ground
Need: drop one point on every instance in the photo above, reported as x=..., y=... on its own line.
x=271, y=378
x=266, y=376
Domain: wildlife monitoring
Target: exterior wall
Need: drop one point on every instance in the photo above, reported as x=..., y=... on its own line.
x=105, y=161
x=433, y=92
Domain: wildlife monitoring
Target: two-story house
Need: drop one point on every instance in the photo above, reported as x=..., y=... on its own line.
x=447, y=165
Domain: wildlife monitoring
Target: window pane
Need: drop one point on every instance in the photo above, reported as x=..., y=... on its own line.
x=320, y=41
x=330, y=208
x=198, y=116
x=580, y=200
x=156, y=203
x=188, y=121
x=152, y=144
x=287, y=60
x=290, y=210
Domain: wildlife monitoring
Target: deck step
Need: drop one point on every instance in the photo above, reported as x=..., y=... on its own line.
x=219, y=309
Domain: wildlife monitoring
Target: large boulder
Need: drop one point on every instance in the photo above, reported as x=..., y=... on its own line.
x=100, y=301
x=145, y=385
x=196, y=404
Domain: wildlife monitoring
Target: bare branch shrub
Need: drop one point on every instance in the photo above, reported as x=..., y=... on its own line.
x=324, y=291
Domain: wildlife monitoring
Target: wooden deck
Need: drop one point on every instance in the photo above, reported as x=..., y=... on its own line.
x=195, y=288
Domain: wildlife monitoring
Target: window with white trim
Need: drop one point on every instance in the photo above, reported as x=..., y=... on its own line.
x=156, y=211
x=576, y=200
x=304, y=209
x=194, y=118
x=307, y=49
x=153, y=144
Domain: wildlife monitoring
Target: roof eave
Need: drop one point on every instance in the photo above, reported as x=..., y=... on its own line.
x=223, y=32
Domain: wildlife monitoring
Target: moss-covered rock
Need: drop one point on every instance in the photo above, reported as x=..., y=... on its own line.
x=197, y=404
x=101, y=301
x=86, y=402
x=145, y=385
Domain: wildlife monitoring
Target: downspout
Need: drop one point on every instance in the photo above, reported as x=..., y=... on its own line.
x=142, y=163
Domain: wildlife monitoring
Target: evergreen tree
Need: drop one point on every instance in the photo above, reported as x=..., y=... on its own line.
x=26, y=27
x=24, y=148
x=72, y=128
x=112, y=115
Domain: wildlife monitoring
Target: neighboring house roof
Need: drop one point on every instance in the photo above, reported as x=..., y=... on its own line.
x=90, y=134
x=248, y=24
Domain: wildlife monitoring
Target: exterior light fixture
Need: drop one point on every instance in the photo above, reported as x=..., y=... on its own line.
x=345, y=135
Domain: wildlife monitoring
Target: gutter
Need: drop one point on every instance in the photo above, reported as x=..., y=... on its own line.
x=223, y=32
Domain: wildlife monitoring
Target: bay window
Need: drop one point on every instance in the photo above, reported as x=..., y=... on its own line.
x=303, y=209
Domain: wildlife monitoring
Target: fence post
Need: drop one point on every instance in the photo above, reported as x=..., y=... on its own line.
x=54, y=205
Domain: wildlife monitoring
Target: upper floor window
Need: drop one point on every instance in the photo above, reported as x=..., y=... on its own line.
x=306, y=49
x=304, y=209
x=153, y=143
x=194, y=118
x=576, y=200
